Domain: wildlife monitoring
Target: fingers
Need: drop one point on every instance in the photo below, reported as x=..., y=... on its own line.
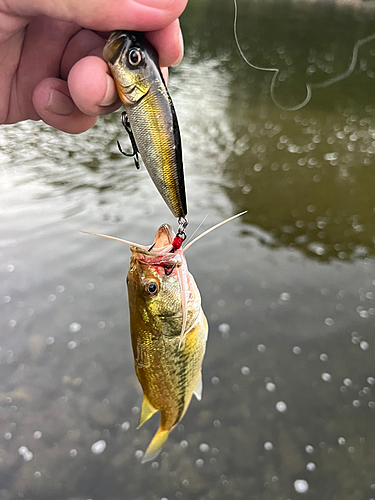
x=82, y=44
x=92, y=88
x=73, y=106
x=90, y=91
x=137, y=15
x=169, y=44
x=165, y=74
x=167, y=41
x=54, y=105
x=90, y=84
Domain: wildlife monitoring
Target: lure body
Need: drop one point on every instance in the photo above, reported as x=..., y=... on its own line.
x=134, y=65
x=170, y=373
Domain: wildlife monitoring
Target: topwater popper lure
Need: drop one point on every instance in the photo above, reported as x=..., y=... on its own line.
x=168, y=330
x=149, y=117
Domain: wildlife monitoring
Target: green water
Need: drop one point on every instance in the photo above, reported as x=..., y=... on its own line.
x=288, y=406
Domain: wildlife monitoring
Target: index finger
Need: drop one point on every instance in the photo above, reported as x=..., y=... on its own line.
x=103, y=15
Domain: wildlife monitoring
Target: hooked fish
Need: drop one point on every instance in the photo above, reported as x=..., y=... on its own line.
x=149, y=117
x=168, y=329
x=164, y=301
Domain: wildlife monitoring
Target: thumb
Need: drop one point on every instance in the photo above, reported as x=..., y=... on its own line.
x=103, y=15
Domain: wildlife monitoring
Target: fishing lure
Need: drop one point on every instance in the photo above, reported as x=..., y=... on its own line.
x=149, y=117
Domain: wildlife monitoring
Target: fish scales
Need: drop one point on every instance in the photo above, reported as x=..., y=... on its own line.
x=169, y=376
x=152, y=125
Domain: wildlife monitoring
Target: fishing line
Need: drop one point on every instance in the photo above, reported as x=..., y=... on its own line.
x=195, y=232
x=212, y=228
x=309, y=86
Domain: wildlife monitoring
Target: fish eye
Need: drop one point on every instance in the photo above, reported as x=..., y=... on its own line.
x=152, y=287
x=135, y=57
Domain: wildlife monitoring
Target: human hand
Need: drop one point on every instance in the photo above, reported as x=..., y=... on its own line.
x=51, y=55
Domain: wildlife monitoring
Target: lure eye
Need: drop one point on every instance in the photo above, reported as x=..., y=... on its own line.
x=135, y=57
x=152, y=287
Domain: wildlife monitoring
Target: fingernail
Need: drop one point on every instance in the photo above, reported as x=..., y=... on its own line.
x=59, y=103
x=111, y=94
x=181, y=42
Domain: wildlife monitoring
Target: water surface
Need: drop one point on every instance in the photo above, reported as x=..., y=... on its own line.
x=289, y=289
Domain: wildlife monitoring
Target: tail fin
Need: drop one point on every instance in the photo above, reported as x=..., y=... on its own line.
x=155, y=446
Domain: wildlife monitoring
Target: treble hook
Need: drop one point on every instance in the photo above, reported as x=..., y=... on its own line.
x=135, y=153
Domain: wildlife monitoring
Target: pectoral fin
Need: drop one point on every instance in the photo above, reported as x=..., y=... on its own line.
x=197, y=391
x=147, y=411
x=155, y=446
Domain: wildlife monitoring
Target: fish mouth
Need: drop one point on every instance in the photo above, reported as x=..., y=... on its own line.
x=164, y=236
x=114, y=46
x=161, y=247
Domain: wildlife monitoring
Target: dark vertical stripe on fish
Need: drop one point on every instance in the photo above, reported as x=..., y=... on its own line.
x=182, y=379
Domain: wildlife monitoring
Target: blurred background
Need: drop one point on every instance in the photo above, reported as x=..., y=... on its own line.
x=288, y=404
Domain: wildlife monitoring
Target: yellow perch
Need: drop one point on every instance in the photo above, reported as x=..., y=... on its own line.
x=149, y=117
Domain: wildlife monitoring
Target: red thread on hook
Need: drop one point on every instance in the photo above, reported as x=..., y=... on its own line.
x=176, y=243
